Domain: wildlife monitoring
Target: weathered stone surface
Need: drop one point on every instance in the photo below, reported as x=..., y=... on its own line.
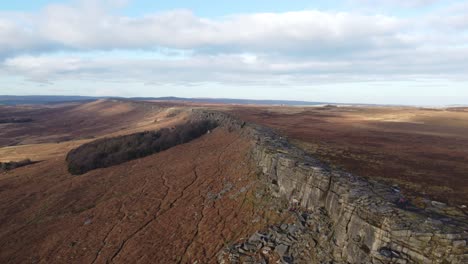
x=351, y=219
x=362, y=209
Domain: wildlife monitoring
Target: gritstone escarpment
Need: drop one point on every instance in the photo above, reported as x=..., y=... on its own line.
x=346, y=218
x=238, y=193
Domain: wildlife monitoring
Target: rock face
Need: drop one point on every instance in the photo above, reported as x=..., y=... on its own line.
x=286, y=243
x=356, y=220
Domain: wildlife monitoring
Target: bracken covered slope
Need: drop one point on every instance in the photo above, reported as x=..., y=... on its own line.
x=178, y=206
x=72, y=121
x=240, y=193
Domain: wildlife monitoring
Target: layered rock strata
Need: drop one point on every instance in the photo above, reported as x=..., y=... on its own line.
x=367, y=221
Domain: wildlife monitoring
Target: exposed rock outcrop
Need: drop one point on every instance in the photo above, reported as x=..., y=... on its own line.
x=356, y=220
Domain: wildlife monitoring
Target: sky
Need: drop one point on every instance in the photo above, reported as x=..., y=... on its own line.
x=412, y=52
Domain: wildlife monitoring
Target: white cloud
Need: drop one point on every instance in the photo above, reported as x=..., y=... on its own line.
x=15, y=38
x=43, y=68
x=245, y=69
x=452, y=20
x=89, y=26
x=300, y=48
x=398, y=3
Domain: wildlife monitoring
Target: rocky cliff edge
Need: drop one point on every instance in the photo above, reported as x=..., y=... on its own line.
x=349, y=219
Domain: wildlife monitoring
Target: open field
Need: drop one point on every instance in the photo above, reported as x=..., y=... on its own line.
x=424, y=151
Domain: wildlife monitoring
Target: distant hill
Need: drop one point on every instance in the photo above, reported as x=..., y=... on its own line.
x=46, y=99
x=230, y=101
x=41, y=99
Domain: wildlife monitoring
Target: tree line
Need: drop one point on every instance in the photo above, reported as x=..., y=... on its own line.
x=107, y=152
x=6, y=166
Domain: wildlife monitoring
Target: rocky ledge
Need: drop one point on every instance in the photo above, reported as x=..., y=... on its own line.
x=340, y=217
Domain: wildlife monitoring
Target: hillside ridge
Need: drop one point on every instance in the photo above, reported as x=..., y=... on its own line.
x=370, y=221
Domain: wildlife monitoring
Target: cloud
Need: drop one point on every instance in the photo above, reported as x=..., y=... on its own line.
x=244, y=69
x=14, y=38
x=42, y=69
x=451, y=20
x=398, y=3
x=93, y=27
x=272, y=49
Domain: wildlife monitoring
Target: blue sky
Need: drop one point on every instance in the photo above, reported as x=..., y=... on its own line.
x=207, y=8
x=357, y=51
